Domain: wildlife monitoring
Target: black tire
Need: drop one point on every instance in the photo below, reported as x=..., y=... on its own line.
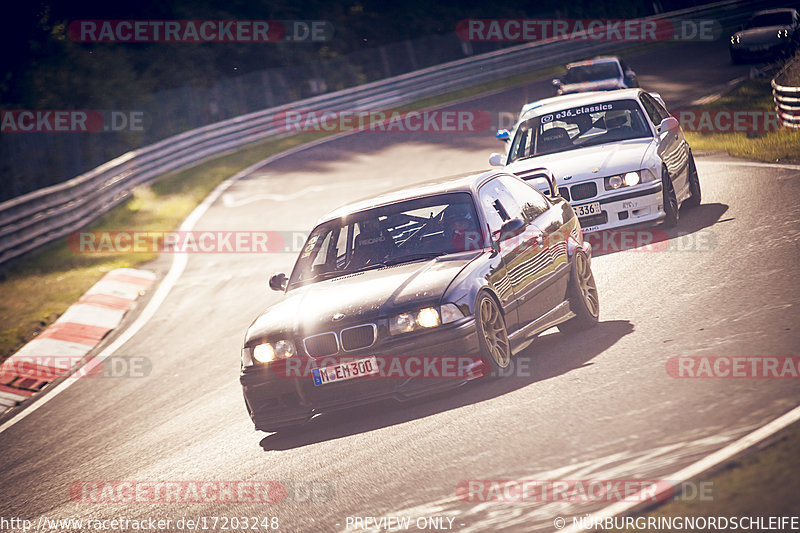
x=582, y=296
x=492, y=334
x=670, y=201
x=694, y=185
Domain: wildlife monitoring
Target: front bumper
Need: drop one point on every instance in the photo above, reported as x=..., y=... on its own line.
x=762, y=52
x=276, y=398
x=639, y=205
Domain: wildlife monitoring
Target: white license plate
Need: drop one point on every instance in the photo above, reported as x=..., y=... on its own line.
x=588, y=209
x=345, y=371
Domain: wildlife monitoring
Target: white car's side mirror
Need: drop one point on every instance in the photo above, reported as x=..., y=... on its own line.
x=669, y=123
x=496, y=160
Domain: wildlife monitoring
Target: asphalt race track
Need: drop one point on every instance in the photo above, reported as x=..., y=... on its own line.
x=599, y=406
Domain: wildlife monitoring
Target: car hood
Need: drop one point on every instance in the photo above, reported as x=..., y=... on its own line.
x=765, y=35
x=361, y=297
x=580, y=164
x=597, y=85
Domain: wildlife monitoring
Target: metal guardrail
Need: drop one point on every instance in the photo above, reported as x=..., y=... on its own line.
x=47, y=214
x=787, y=99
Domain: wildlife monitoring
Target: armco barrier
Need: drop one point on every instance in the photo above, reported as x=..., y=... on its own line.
x=787, y=99
x=50, y=213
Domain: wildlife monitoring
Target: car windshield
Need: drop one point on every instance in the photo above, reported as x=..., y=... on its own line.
x=578, y=127
x=783, y=18
x=406, y=231
x=592, y=72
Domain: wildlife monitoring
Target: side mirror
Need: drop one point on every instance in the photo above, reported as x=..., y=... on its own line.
x=511, y=228
x=630, y=74
x=503, y=135
x=278, y=282
x=669, y=123
x=556, y=83
x=496, y=160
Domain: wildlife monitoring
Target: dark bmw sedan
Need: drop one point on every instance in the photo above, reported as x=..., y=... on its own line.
x=414, y=292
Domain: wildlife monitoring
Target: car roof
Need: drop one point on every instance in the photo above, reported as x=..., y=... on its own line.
x=594, y=61
x=557, y=103
x=467, y=183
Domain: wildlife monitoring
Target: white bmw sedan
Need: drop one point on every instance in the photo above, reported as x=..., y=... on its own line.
x=619, y=158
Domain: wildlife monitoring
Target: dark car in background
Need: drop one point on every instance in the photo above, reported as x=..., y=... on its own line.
x=769, y=34
x=470, y=267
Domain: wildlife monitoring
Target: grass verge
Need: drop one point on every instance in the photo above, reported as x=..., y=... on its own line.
x=755, y=94
x=759, y=484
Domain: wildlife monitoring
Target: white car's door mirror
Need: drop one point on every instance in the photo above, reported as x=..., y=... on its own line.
x=496, y=160
x=669, y=123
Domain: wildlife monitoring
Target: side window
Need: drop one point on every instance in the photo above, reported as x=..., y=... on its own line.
x=651, y=111
x=532, y=201
x=498, y=204
x=655, y=110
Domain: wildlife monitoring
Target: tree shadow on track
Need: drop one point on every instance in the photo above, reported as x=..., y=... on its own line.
x=550, y=356
x=691, y=233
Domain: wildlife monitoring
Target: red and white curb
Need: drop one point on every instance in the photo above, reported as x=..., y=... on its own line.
x=66, y=344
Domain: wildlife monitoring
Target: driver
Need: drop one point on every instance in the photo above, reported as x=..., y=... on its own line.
x=616, y=119
x=459, y=228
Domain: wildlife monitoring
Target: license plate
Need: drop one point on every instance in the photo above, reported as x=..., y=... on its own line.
x=588, y=209
x=345, y=371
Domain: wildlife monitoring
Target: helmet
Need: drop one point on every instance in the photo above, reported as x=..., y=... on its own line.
x=616, y=119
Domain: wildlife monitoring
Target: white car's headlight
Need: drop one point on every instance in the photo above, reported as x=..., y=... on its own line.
x=629, y=179
x=266, y=352
x=428, y=317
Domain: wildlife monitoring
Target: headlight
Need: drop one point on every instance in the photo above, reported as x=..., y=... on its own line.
x=735, y=39
x=429, y=317
x=629, y=179
x=647, y=175
x=450, y=313
x=266, y=352
x=783, y=33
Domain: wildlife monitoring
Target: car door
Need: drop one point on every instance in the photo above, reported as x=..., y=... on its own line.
x=523, y=252
x=550, y=285
x=672, y=147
